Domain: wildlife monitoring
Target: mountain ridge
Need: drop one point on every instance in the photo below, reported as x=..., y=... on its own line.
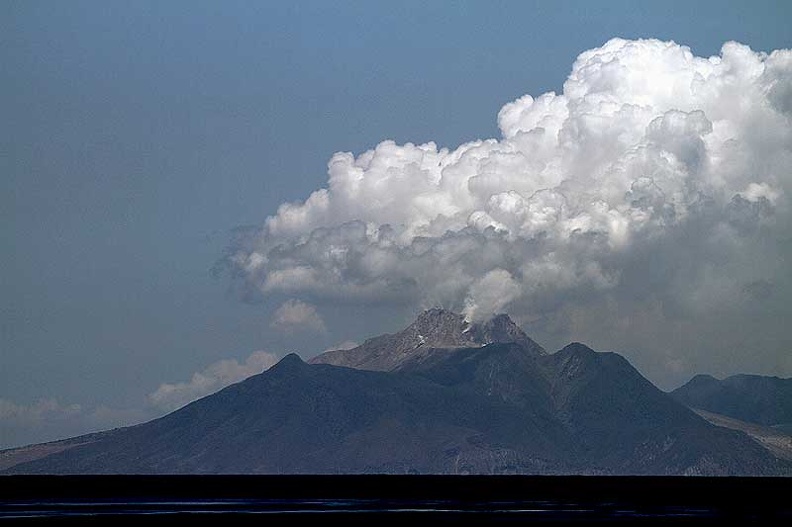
x=497, y=407
x=753, y=398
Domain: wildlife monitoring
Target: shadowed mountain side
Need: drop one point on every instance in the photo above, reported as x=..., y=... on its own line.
x=613, y=419
x=433, y=329
x=624, y=423
x=753, y=398
x=505, y=371
x=297, y=418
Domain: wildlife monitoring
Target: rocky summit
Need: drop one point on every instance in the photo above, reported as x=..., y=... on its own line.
x=433, y=330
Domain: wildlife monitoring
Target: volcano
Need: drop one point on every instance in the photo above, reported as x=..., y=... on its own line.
x=442, y=396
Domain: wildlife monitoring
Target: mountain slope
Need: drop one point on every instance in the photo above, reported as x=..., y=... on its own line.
x=297, y=418
x=775, y=440
x=603, y=412
x=753, y=398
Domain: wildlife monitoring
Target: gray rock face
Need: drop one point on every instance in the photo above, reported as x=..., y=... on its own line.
x=435, y=329
x=502, y=407
x=752, y=398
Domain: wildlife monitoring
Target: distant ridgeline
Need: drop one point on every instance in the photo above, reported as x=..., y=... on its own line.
x=444, y=396
x=753, y=398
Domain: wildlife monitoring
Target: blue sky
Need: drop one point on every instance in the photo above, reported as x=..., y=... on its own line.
x=136, y=135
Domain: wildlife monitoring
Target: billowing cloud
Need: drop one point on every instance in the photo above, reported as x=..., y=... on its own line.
x=215, y=377
x=294, y=315
x=657, y=182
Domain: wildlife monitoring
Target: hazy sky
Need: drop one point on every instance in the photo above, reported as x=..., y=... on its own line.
x=136, y=136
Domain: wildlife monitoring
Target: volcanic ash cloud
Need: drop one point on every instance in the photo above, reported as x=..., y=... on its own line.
x=655, y=177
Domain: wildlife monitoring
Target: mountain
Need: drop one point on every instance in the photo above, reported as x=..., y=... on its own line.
x=469, y=401
x=614, y=420
x=434, y=329
x=625, y=423
x=752, y=398
x=300, y=418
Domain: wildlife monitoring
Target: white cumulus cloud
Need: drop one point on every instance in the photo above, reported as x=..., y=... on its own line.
x=215, y=377
x=294, y=315
x=655, y=177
